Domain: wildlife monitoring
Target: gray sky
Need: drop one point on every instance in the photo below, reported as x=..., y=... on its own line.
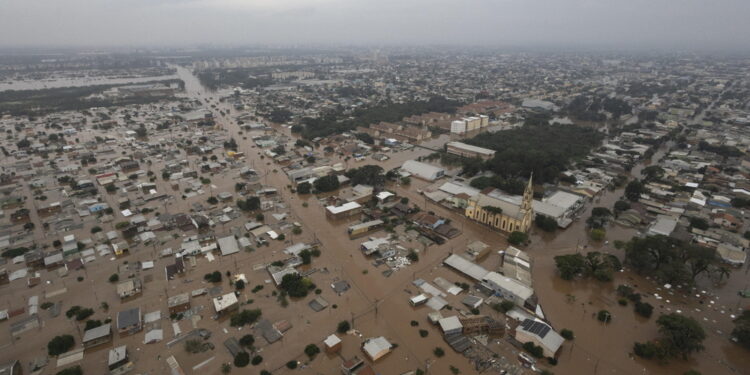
x=606, y=23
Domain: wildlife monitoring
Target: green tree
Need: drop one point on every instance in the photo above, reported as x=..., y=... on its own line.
x=312, y=350
x=247, y=341
x=570, y=265
x=241, y=359
x=545, y=223
x=366, y=175
x=304, y=188
x=244, y=317
x=680, y=335
x=634, y=189
x=567, y=334
x=516, y=238
x=439, y=352
x=327, y=183
x=60, y=344
x=75, y=370
x=598, y=234
x=741, y=330
x=343, y=327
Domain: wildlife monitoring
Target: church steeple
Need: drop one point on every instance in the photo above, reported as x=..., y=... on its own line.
x=528, y=194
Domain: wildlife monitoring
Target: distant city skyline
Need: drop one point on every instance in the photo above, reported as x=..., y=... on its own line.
x=634, y=24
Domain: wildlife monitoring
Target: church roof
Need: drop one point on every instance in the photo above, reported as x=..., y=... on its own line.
x=509, y=209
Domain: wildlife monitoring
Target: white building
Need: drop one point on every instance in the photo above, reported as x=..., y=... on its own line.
x=422, y=170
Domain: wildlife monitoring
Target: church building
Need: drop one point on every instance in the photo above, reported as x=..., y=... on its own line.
x=503, y=212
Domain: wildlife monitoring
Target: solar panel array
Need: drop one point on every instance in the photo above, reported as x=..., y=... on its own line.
x=537, y=328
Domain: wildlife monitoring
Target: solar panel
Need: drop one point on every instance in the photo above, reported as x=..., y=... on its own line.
x=544, y=331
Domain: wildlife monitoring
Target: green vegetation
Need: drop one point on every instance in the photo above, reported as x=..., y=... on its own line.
x=598, y=234
x=326, y=183
x=90, y=324
x=247, y=341
x=213, y=277
x=567, y=334
x=634, y=189
x=291, y=365
x=604, y=316
x=338, y=122
x=304, y=188
x=423, y=333
x=511, y=185
x=60, y=344
x=296, y=286
x=193, y=346
x=668, y=259
x=75, y=370
x=366, y=175
x=741, y=330
x=113, y=278
x=593, y=264
x=517, y=238
x=36, y=102
x=312, y=350
x=249, y=204
x=245, y=317
x=545, y=150
x=680, y=336
x=257, y=360
x=242, y=359
x=343, y=327
x=439, y=352
x=545, y=223
x=535, y=350
x=644, y=309
x=599, y=218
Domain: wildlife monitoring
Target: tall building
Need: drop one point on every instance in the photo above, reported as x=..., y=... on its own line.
x=506, y=215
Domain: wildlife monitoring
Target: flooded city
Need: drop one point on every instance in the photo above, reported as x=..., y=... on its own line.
x=358, y=208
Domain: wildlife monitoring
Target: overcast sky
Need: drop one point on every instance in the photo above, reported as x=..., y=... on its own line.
x=606, y=23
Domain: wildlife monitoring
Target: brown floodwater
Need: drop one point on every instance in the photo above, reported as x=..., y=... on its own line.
x=606, y=348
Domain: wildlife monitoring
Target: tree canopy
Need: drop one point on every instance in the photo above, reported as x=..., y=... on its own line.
x=545, y=150
x=367, y=175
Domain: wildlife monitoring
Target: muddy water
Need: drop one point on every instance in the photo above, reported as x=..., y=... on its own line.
x=78, y=82
x=600, y=348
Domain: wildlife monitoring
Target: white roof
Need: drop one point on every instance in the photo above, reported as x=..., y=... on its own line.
x=343, y=208
x=511, y=285
x=331, y=340
x=563, y=199
x=377, y=347
x=465, y=266
x=471, y=148
x=450, y=323
x=222, y=302
x=117, y=354
x=422, y=169
x=456, y=188
x=228, y=245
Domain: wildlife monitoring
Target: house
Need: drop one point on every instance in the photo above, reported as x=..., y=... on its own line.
x=541, y=334
x=332, y=344
x=129, y=321
x=343, y=211
x=118, y=361
x=129, y=288
x=226, y=304
x=97, y=336
x=178, y=303
x=376, y=348
x=450, y=325
x=228, y=245
x=422, y=170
